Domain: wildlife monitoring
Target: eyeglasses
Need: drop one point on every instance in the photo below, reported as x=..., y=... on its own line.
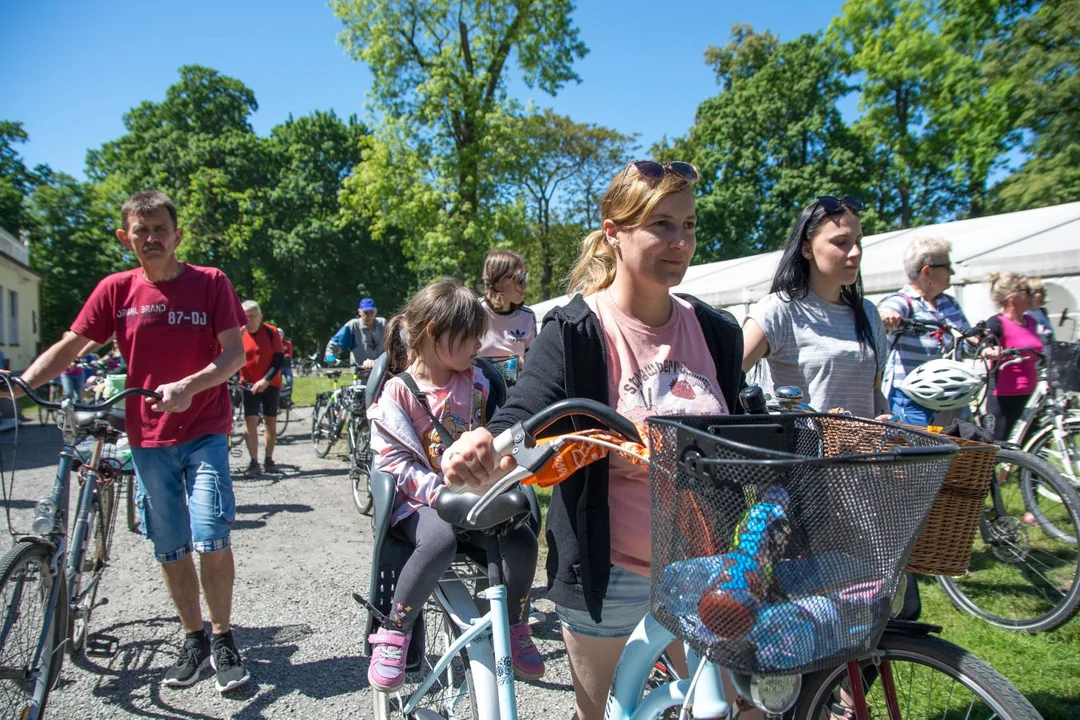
x=947, y=266
x=653, y=171
x=832, y=204
x=520, y=278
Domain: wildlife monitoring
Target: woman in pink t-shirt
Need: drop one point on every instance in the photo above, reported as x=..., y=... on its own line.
x=1011, y=386
x=628, y=342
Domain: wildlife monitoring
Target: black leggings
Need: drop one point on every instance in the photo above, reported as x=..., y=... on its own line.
x=436, y=542
x=1006, y=410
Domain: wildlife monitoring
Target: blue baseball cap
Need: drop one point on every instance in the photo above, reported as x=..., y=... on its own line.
x=366, y=304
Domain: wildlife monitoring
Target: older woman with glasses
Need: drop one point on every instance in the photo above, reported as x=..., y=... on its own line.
x=1038, y=312
x=1011, y=386
x=929, y=272
x=511, y=325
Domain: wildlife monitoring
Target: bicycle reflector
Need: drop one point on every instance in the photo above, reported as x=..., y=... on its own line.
x=775, y=694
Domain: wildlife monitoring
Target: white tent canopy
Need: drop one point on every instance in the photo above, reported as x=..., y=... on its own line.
x=1043, y=242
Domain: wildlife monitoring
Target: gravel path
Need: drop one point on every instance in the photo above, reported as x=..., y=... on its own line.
x=301, y=550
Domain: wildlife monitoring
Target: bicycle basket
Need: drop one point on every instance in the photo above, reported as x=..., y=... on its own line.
x=778, y=542
x=1063, y=366
x=354, y=400
x=944, y=545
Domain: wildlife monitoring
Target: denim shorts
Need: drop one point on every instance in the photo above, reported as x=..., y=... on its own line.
x=626, y=602
x=908, y=410
x=185, y=496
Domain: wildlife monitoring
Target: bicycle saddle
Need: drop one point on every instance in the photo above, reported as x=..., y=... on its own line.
x=333, y=374
x=510, y=506
x=84, y=420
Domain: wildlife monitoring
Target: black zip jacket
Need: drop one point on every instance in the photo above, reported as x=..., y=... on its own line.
x=569, y=359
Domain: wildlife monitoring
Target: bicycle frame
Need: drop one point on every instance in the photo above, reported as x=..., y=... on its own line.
x=487, y=638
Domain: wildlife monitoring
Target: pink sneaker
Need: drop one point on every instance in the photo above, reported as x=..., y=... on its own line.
x=527, y=661
x=387, y=668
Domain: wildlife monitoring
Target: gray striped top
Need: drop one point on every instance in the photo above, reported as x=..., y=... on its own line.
x=813, y=346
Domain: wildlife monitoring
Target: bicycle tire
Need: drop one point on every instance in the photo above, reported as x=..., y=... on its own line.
x=452, y=695
x=130, y=485
x=95, y=560
x=359, y=466
x=990, y=692
x=1025, y=569
x=27, y=563
x=1042, y=445
x=282, y=422
x=322, y=427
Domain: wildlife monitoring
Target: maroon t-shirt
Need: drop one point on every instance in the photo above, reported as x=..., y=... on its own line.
x=167, y=331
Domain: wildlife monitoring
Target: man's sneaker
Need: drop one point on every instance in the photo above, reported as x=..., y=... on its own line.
x=253, y=468
x=269, y=465
x=526, y=658
x=194, y=654
x=226, y=662
x=387, y=668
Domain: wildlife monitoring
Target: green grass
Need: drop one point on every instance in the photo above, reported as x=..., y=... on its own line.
x=306, y=388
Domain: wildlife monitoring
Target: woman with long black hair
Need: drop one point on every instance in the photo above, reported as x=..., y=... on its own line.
x=815, y=329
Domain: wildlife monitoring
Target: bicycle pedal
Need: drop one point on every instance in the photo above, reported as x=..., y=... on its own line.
x=102, y=646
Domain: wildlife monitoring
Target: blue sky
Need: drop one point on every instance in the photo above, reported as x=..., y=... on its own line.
x=70, y=70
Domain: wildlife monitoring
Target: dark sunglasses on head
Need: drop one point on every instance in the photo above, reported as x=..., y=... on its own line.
x=832, y=204
x=653, y=171
x=521, y=278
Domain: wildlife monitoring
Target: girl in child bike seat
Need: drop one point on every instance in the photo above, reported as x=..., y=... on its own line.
x=419, y=414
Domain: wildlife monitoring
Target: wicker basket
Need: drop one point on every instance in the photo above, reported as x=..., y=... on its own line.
x=944, y=546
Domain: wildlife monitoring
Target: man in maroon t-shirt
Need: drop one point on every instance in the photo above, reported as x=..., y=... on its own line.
x=179, y=327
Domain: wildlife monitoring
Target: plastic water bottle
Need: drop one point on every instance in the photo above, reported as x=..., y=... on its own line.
x=793, y=634
x=512, y=368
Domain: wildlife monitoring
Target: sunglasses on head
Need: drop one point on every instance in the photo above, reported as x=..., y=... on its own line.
x=520, y=278
x=832, y=204
x=653, y=171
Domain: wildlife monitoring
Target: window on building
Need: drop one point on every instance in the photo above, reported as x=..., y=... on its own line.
x=3, y=317
x=13, y=317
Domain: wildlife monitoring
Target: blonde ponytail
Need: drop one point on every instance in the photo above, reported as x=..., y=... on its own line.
x=595, y=266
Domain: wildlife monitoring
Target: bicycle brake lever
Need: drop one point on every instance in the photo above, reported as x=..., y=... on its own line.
x=530, y=457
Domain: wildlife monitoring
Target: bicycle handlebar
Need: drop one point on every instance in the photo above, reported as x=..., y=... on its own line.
x=80, y=407
x=919, y=327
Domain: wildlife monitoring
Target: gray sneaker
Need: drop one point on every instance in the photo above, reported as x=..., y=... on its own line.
x=194, y=655
x=225, y=659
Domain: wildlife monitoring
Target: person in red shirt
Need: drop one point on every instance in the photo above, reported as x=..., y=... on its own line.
x=264, y=356
x=179, y=326
x=286, y=369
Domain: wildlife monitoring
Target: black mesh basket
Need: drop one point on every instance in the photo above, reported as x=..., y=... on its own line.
x=354, y=400
x=779, y=541
x=1063, y=366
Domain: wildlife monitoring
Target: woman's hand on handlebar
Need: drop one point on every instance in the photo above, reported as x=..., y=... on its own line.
x=471, y=460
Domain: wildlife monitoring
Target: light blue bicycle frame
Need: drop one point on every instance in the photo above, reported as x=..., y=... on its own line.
x=627, y=699
x=487, y=639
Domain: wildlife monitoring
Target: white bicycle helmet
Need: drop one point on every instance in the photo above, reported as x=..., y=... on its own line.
x=942, y=384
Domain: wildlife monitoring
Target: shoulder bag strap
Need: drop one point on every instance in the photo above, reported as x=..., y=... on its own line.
x=445, y=436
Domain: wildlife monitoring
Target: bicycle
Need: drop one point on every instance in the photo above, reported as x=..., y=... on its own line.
x=1026, y=539
x=49, y=579
x=54, y=391
x=1050, y=424
x=343, y=408
x=777, y=485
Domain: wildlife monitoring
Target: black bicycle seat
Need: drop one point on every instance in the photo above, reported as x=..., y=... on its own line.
x=84, y=420
x=333, y=374
x=454, y=508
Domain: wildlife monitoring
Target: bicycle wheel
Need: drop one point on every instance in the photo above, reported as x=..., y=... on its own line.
x=95, y=557
x=1065, y=458
x=451, y=695
x=323, y=421
x=933, y=679
x=360, y=464
x=282, y=422
x=130, y=485
x=25, y=585
x=1024, y=561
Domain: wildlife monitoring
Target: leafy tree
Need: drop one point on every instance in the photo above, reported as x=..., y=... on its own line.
x=556, y=162
x=73, y=243
x=771, y=141
x=440, y=70
x=16, y=180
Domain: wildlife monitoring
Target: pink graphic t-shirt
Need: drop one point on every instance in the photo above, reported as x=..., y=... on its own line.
x=458, y=406
x=664, y=370
x=1019, y=378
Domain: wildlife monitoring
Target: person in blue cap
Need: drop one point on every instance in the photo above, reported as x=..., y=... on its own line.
x=363, y=337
